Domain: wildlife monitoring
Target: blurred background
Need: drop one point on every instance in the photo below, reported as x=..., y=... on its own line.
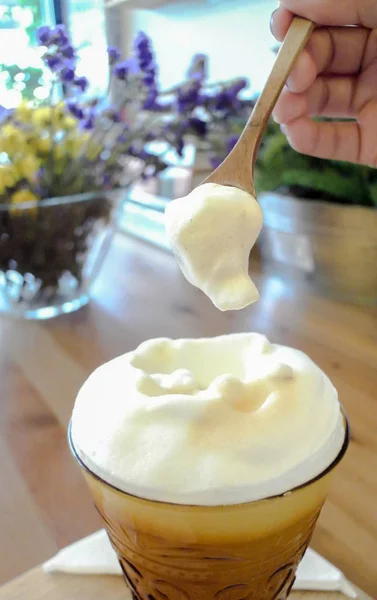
x=179, y=30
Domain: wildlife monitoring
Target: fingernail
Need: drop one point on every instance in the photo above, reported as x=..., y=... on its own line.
x=283, y=129
x=272, y=20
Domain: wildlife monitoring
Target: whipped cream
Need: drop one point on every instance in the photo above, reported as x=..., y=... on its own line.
x=214, y=421
x=211, y=232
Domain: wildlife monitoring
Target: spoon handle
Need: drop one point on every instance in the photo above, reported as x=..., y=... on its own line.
x=238, y=168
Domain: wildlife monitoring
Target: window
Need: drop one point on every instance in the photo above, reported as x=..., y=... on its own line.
x=21, y=67
x=86, y=22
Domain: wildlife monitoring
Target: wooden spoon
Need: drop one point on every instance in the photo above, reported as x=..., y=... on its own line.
x=238, y=168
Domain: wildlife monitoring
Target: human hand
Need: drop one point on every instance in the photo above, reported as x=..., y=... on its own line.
x=335, y=76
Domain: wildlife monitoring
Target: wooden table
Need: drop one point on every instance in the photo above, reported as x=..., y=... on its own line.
x=38, y=586
x=44, y=504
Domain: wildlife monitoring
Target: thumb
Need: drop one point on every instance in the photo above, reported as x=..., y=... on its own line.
x=330, y=12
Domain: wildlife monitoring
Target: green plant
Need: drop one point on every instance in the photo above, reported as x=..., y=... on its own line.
x=30, y=77
x=281, y=169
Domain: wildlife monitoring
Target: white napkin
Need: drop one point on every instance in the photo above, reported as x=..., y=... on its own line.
x=94, y=556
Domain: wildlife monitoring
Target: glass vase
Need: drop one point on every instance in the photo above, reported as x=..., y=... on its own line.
x=51, y=252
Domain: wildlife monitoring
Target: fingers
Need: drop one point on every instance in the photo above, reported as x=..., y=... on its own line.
x=340, y=141
x=328, y=97
x=337, y=50
x=303, y=74
x=280, y=22
x=335, y=12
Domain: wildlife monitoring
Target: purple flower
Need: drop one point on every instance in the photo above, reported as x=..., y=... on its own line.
x=53, y=62
x=225, y=101
x=180, y=146
x=121, y=139
x=113, y=115
x=67, y=75
x=106, y=180
x=142, y=41
x=113, y=54
x=198, y=67
x=231, y=142
x=4, y=113
x=82, y=83
x=143, y=51
x=215, y=161
x=188, y=97
x=238, y=86
x=75, y=109
x=121, y=70
x=60, y=35
x=44, y=35
x=150, y=102
x=143, y=155
x=88, y=123
x=145, y=60
x=149, y=78
x=200, y=127
x=68, y=51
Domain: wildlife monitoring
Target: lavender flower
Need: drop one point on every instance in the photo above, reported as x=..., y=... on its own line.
x=53, y=62
x=226, y=102
x=192, y=107
x=44, y=35
x=68, y=51
x=150, y=102
x=67, y=75
x=150, y=136
x=238, y=86
x=88, y=123
x=121, y=70
x=143, y=52
x=121, y=139
x=60, y=36
x=82, y=83
x=188, y=97
x=106, y=180
x=75, y=109
x=4, y=113
x=113, y=54
x=149, y=79
x=180, y=145
x=199, y=126
x=198, y=68
x=113, y=115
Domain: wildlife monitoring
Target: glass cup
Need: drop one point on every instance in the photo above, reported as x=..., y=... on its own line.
x=239, y=552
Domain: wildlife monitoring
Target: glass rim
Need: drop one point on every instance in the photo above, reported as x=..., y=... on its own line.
x=59, y=200
x=321, y=475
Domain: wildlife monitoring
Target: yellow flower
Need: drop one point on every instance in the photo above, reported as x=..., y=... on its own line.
x=8, y=177
x=23, y=196
x=27, y=167
x=19, y=198
x=42, y=116
x=12, y=140
x=42, y=145
x=59, y=111
x=68, y=123
x=24, y=112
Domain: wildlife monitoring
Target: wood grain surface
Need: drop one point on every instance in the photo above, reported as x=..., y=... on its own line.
x=140, y=294
x=36, y=585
